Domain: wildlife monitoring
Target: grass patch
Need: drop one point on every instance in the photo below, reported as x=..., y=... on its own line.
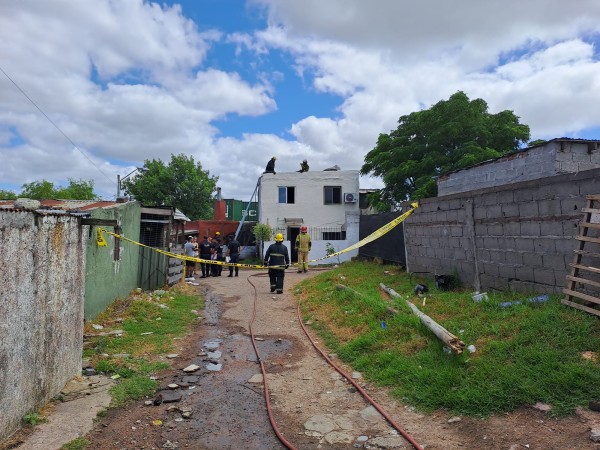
x=76, y=444
x=34, y=418
x=524, y=353
x=149, y=323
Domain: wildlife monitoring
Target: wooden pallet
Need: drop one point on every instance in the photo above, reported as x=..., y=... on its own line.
x=583, y=292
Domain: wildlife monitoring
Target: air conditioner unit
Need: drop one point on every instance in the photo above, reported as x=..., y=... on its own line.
x=350, y=198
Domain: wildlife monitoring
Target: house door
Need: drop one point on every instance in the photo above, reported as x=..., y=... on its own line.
x=292, y=232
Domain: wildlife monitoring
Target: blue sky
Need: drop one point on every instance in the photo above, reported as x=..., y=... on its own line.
x=234, y=82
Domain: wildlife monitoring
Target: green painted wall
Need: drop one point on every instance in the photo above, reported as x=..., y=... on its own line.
x=106, y=278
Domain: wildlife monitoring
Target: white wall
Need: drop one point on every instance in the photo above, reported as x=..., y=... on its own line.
x=308, y=197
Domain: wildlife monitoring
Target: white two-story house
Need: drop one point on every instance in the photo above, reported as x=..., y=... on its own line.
x=326, y=202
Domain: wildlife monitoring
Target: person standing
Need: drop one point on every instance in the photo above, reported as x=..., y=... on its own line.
x=277, y=258
x=189, y=265
x=217, y=255
x=205, y=254
x=303, y=246
x=233, y=251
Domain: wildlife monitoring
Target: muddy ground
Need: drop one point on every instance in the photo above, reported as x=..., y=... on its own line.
x=313, y=406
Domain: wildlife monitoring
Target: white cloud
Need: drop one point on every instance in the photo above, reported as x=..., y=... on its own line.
x=129, y=80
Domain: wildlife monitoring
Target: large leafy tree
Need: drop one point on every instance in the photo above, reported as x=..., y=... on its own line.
x=182, y=184
x=7, y=195
x=451, y=135
x=76, y=190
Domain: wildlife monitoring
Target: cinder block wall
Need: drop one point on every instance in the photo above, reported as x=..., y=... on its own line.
x=553, y=158
x=42, y=281
x=518, y=236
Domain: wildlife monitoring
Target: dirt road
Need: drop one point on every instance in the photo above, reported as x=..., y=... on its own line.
x=313, y=406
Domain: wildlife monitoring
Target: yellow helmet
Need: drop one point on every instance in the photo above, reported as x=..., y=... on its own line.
x=279, y=237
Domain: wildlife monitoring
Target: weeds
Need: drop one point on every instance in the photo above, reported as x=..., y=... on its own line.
x=524, y=353
x=34, y=418
x=149, y=324
x=76, y=444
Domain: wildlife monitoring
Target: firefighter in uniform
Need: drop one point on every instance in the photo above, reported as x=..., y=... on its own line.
x=303, y=245
x=278, y=258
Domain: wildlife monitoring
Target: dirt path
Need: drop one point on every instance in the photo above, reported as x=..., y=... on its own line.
x=314, y=407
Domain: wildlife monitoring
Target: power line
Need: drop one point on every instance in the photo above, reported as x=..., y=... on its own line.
x=54, y=124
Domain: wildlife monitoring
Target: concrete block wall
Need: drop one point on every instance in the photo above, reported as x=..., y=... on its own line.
x=555, y=157
x=42, y=282
x=518, y=236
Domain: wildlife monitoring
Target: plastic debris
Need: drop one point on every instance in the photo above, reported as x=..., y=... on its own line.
x=479, y=296
x=471, y=348
x=383, y=325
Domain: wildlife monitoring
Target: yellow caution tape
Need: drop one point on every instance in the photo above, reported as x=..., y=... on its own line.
x=370, y=238
x=100, y=241
x=375, y=234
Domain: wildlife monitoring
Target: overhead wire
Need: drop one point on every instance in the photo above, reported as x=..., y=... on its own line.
x=53, y=123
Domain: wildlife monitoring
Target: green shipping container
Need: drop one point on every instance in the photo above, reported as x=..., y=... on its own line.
x=234, y=210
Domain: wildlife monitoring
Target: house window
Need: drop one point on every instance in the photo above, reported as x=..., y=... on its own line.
x=286, y=194
x=332, y=195
x=334, y=235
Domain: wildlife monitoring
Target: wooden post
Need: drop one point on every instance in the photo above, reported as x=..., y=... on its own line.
x=453, y=343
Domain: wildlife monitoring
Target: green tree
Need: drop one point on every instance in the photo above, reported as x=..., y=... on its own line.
x=262, y=232
x=7, y=195
x=451, y=135
x=77, y=190
x=42, y=190
x=182, y=184
x=39, y=190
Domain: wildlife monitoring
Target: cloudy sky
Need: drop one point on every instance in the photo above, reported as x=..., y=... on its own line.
x=92, y=88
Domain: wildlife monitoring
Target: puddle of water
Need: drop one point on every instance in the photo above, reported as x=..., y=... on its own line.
x=213, y=344
x=214, y=367
x=213, y=355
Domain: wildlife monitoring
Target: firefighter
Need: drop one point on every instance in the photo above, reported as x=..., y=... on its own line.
x=303, y=245
x=271, y=166
x=303, y=166
x=278, y=258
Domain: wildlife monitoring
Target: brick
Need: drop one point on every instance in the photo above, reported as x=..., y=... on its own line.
x=572, y=205
x=570, y=228
x=456, y=231
x=549, y=207
x=514, y=258
x=524, y=273
x=528, y=209
x=544, y=245
x=510, y=210
x=523, y=195
x=489, y=269
x=489, y=199
x=524, y=244
x=551, y=229
x=506, y=196
x=565, y=246
x=532, y=260
x=497, y=257
x=511, y=229
x=506, y=271
x=556, y=262
x=495, y=229
x=530, y=229
x=493, y=212
x=544, y=276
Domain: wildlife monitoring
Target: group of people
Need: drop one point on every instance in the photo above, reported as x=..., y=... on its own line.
x=271, y=166
x=213, y=249
x=277, y=257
